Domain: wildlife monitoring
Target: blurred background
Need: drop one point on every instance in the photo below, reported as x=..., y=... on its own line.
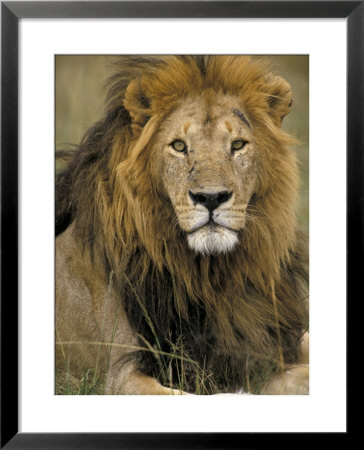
x=80, y=99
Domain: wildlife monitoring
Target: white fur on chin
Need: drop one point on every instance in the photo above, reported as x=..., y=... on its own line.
x=208, y=240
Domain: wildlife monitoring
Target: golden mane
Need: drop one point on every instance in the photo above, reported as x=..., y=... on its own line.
x=111, y=191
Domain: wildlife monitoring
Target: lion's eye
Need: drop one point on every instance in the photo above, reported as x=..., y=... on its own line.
x=179, y=145
x=238, y=145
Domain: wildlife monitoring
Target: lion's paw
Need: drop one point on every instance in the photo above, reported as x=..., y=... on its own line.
x=294, y=381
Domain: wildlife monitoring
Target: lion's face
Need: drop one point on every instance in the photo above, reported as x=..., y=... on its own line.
x=209, y=169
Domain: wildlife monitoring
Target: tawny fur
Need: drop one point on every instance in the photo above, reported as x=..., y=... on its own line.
x=130, y=288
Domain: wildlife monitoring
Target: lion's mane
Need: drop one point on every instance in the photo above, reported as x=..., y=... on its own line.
x=233, y=313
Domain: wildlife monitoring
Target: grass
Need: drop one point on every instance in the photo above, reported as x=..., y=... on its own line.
x=88, y=384
x=92, y=382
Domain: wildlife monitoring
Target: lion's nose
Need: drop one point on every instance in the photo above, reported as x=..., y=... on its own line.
x=210, y=200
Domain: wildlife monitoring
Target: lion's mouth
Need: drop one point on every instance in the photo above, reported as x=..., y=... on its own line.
x=212, y=226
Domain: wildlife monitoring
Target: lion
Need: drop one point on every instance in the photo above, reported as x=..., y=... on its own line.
x=180, y=266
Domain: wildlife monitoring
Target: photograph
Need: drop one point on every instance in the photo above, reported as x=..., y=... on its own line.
x=181, y=216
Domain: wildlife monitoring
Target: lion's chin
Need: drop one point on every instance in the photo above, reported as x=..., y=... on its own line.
x=212, y=240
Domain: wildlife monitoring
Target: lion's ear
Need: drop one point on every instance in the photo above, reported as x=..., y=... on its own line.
x=137, y=103
x=279, y=98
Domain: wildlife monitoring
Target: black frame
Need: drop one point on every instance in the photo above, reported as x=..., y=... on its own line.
x=11, y=13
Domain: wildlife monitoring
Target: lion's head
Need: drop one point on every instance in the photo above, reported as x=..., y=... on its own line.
x=213, y=144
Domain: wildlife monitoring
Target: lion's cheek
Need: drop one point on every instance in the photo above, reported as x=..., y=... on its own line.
x=174, y=185
x=246, y=171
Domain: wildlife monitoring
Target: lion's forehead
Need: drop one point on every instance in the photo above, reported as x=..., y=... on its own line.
x=202, y=121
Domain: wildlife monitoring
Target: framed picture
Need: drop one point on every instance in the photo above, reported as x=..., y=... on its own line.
x=31, y=415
